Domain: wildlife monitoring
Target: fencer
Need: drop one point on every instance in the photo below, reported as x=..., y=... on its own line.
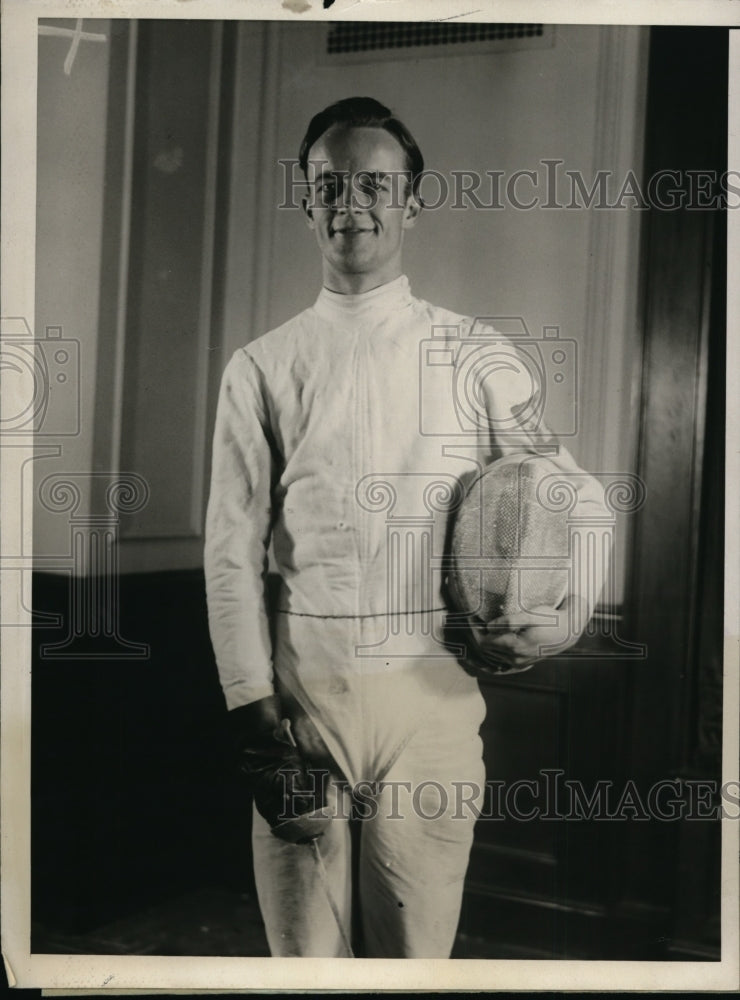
x=328, y=445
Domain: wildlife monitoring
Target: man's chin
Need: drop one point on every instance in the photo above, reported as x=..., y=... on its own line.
x=364, y=249
x=355, y=263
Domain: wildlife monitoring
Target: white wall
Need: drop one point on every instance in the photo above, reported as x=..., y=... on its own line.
x=88, y=163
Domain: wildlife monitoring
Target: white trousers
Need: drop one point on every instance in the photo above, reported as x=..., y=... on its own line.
x=414, y=843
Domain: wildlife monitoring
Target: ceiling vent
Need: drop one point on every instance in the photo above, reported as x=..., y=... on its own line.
x=354, y=41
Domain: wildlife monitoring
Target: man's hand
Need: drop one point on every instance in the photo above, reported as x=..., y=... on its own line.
x=515, y=642
x=287, y=792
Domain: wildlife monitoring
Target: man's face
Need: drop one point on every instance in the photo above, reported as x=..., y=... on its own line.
x=359, y=205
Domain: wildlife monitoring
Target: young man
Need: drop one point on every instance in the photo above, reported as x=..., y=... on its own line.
x=319, y=447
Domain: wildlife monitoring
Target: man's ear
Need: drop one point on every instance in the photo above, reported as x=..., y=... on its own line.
x=411, y=211
x=308, y=212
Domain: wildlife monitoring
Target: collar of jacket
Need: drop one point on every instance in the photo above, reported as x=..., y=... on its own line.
x=375, y=304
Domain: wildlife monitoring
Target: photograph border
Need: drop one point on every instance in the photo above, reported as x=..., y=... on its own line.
x=215, y=974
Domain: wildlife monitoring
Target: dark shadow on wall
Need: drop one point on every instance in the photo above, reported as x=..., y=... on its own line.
x=133, y=800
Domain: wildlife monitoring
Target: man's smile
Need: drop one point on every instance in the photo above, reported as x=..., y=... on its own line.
x=351, y=231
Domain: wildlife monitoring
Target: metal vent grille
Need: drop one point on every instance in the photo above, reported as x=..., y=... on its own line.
x=373, y=36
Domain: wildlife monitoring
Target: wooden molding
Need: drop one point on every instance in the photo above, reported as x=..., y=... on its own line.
x=611, y=340
x=116, y=245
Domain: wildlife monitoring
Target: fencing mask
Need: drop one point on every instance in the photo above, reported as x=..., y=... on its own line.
x=509, y=548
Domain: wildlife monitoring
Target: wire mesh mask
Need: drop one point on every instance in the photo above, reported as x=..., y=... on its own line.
x=504, y=517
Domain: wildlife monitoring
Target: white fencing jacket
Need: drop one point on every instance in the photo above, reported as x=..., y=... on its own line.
x=343, y=436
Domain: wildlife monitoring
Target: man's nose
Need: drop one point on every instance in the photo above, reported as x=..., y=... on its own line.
x=350, y=197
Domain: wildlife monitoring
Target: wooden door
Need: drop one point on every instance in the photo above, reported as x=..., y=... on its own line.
x=641, y=887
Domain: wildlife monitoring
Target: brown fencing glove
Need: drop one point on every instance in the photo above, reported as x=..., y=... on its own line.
x=287, y=793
